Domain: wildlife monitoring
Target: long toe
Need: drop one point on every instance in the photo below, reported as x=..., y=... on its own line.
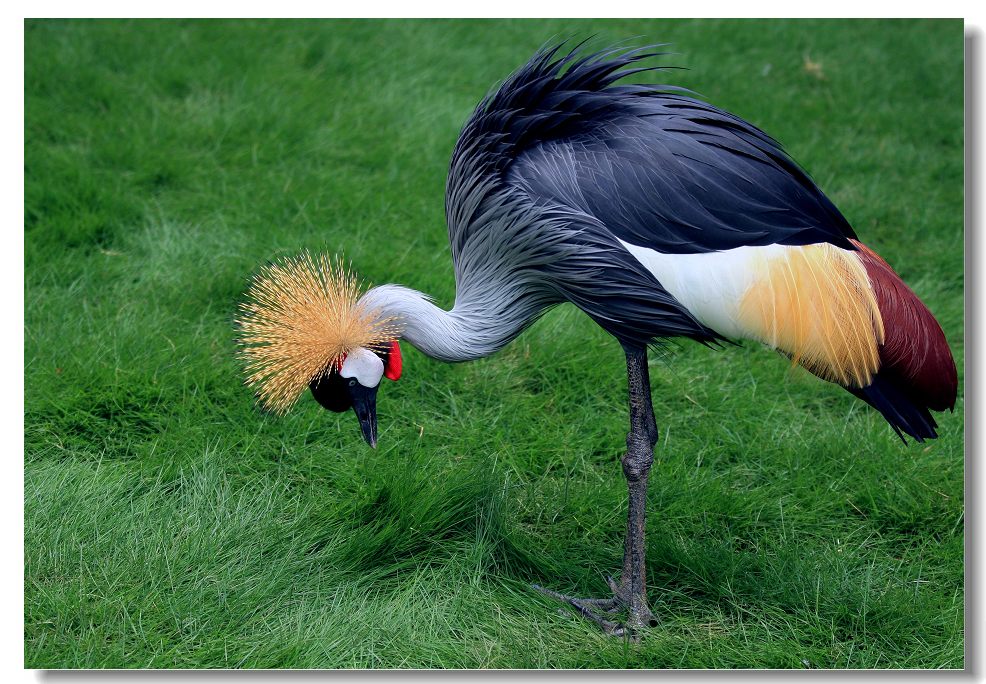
x=608, y=626
x=591, y=609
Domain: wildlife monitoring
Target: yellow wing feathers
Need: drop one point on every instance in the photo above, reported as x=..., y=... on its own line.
x=816, y=304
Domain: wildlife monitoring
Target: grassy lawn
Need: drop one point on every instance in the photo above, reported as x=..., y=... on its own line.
x=170, y=523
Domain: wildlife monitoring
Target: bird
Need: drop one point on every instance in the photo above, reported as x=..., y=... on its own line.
x=654, y=212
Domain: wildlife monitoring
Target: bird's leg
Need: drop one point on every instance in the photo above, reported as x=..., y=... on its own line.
x=637, y=461
x=631, y=591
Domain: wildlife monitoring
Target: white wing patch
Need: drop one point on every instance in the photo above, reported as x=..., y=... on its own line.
x=363, y=365
x=712, y=284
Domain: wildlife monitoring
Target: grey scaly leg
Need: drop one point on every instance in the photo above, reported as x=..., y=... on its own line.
x=631, y=591
x=636, y=466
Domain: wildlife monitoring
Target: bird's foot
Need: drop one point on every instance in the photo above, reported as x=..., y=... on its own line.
x=639, y=614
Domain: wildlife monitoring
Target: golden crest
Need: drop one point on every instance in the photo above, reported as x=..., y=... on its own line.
x=301, y=317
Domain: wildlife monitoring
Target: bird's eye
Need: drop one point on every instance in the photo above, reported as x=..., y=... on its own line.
x=352, y=383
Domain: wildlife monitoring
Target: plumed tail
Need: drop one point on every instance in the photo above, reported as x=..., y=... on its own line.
x=917, y=373
x=905, y=413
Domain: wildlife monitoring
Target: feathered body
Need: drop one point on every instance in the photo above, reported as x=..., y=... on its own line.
x=662, y=216
x=655, y=213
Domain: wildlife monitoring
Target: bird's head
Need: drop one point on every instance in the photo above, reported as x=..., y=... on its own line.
x=354, y=384
x=303, y=325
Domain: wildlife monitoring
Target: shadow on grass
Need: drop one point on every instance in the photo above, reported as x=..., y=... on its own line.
x=414, y=518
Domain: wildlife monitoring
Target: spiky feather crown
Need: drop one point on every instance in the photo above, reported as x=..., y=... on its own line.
x=301, y=317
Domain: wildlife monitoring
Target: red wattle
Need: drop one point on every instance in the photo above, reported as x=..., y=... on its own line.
x=394, y=362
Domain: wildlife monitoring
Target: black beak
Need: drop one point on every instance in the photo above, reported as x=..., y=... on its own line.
x=365, y=407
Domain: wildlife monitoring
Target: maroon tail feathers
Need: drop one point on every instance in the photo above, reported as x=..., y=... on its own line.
x=917, y=372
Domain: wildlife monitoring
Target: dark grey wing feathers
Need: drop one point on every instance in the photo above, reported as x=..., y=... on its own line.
x=681, y=184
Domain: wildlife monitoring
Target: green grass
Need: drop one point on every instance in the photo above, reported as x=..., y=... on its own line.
x=170, y=523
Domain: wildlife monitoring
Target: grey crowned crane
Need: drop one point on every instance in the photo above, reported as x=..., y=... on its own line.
x=659, y=216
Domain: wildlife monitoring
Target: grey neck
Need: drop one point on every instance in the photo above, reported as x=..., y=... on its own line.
x=465, y=333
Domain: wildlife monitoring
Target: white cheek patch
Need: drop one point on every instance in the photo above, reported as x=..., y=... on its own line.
x=363, y=365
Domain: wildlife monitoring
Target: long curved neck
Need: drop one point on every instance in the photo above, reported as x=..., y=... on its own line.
x=465, y=333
